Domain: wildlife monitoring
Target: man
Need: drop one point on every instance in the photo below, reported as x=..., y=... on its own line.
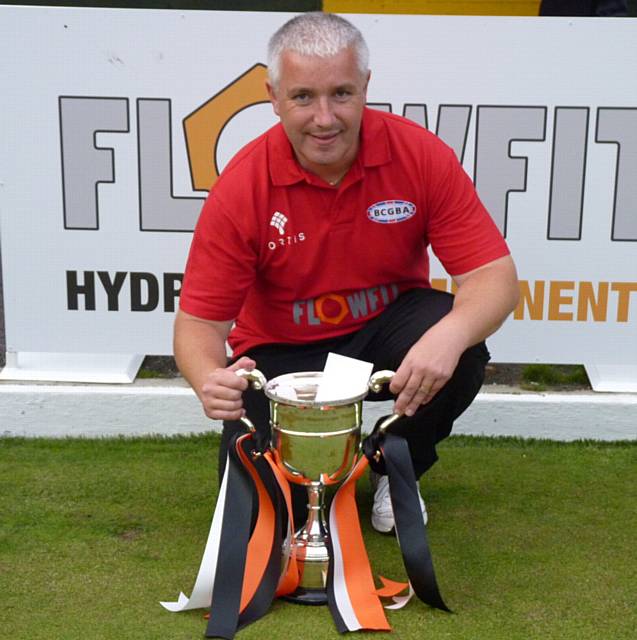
x=314, y=239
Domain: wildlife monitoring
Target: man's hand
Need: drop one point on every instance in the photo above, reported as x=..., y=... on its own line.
x=484, y=299
x=200, y=352
x=426, y=368
x=222, y=389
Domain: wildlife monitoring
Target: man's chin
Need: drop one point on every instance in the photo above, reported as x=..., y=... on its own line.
x=325, y=157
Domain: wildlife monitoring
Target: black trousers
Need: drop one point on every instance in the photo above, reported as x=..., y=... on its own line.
x=385, y=341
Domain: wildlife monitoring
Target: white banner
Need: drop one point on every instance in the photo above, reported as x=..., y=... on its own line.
x=114, y=124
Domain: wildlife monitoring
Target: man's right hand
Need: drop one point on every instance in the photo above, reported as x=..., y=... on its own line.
x=222, y=390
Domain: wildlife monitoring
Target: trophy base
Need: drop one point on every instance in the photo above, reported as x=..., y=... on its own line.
x=312, y=597
x=313, y=564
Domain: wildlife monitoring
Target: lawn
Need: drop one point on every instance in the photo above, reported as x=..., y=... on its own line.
x=531, y=539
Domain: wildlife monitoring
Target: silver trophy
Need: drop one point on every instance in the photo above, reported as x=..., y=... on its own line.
x=315, y=444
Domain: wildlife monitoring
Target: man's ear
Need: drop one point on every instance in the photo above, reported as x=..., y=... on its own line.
x=272, y=95
x=369, y=75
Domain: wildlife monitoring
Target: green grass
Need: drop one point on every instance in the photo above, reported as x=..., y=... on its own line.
x=146, y=373
x=530, y=540
x=539, y=377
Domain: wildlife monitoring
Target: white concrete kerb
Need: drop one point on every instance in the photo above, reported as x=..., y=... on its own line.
x=169, y=407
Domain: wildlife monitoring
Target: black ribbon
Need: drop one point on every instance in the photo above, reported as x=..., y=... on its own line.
x=225, y=617
x=266, y=591
x=396, y=462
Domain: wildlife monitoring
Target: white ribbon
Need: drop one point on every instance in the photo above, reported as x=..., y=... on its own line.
x=201, y=596
x=401, y=601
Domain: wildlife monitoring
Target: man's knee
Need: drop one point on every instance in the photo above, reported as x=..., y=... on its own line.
x=467, y=378
x=473, y=362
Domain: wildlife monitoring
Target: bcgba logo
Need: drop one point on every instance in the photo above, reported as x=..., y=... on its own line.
x=391, y=211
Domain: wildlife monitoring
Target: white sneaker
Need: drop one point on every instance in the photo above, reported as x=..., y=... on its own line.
x=382, y=512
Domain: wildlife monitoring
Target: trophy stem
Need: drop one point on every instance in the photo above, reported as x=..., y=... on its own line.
x=314, y=531
x=310, y=548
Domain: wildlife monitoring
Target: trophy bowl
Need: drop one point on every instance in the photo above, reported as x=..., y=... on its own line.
x=315, y=442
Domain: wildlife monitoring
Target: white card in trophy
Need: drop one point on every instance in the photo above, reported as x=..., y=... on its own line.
x=343, y=378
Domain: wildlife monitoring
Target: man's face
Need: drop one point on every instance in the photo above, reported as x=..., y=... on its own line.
x=320, y=103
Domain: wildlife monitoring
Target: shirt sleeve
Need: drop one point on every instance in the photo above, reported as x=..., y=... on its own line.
x=221, y=265
x=460, y=230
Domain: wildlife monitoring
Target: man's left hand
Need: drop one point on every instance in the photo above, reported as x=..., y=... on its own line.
x=485, y=297
x=426, y=368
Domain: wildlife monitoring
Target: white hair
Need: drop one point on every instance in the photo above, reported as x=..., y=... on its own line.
x=316, y=34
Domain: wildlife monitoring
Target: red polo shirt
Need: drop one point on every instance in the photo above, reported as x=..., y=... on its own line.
x=294, y=260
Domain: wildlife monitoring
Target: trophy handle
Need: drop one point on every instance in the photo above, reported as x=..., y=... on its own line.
x=376, y=383
x=379, y=378
x=258, y=381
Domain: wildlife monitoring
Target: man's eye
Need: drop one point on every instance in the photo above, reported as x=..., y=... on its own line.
x=343, y=94
x=301, y=97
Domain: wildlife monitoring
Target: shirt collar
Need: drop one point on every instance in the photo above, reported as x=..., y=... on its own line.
x=285, y=169
x=375, y=149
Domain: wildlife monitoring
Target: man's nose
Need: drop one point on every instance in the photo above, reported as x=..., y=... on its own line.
x=324, y=113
